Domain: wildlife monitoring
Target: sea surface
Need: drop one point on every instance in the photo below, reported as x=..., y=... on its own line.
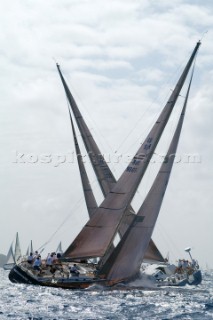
x=18, y=301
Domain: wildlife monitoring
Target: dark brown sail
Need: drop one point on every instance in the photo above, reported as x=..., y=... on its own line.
x=103, y=173
x=88, y=193
x=97, y=235
x=125, y=261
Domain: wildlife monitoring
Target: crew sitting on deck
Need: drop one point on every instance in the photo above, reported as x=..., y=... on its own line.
x=185, y=266
x=74, y=271
x=37, y=264
x=30, y=258
x=49, y=260
x=35, y=255
x=179, y=268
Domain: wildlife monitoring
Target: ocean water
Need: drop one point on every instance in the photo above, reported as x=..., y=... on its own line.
x=18, y=301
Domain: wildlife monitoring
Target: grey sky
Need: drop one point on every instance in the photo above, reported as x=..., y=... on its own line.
x=120, y=59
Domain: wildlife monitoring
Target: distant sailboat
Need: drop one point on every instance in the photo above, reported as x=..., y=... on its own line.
x=13, y=255
x=59, y=248
x=29, y=249
x=95, y=240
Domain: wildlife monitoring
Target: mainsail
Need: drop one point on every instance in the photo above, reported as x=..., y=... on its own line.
x=125, y=261
x=104, y=175
x=97, y=235
x=88, y=193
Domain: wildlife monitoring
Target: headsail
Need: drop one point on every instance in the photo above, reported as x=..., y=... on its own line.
x=104, y=175
x=10, y=255
x=30, y=248
x=126, y=259
x=17, y=252
x=97, y=235
x=59, y=248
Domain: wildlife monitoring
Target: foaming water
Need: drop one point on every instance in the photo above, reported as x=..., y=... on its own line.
x=124, y=302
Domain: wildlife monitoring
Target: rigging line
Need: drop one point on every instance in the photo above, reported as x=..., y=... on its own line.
x=113, y=169
x=82, y=145
x=100, y=132
x=190, y=80
x=89, y=115
x=156, y=99
x=63, y=222
x=178, y=110
x=203, y=35
x=159, y=225
x=58, y=228
x=149, y=124
x=67, y=217
x=171, y=125
x=167, y=238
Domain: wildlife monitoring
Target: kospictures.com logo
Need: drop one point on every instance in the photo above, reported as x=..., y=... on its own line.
x=57, y=159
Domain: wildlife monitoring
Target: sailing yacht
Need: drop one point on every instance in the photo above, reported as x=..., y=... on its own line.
x=13, y=255
x=115, y=214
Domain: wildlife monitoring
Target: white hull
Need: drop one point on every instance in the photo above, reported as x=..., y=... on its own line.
x=8, y=266
x=167, y=275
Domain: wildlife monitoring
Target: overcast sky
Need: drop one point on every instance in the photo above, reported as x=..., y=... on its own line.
x=121, y=60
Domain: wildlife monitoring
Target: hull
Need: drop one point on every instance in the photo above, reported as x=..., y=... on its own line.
x=194, y=280
x=158, y=276
x=166, y=275
x=20, y=274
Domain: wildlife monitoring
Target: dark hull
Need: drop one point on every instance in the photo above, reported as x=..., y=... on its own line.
x=18, y=275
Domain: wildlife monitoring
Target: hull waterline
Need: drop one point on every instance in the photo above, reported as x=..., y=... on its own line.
x=18, y=275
